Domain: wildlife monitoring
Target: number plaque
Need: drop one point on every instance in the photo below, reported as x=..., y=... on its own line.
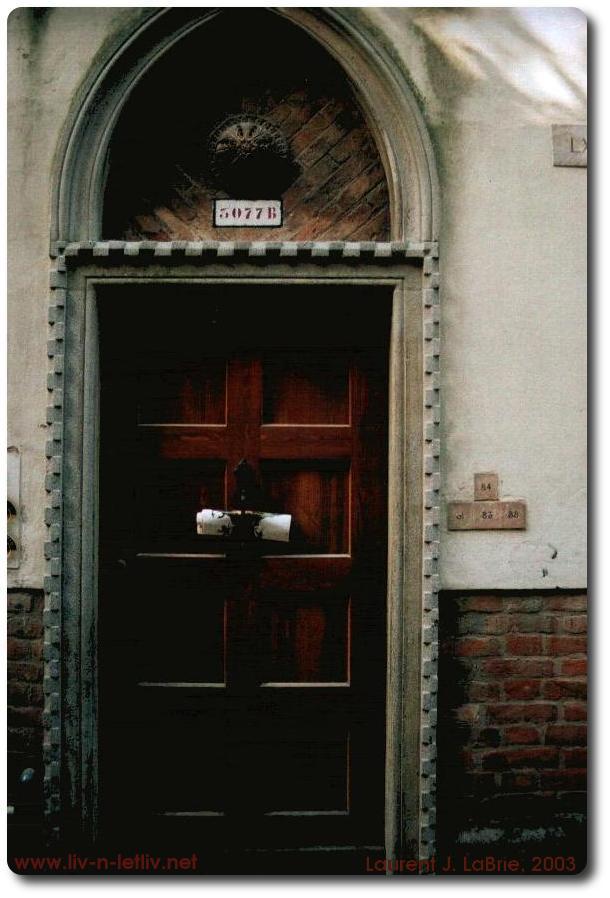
x=247, y=213
x=486, y=486
x=503, y=514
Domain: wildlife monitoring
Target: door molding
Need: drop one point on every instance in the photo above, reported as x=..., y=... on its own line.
x=72, y=450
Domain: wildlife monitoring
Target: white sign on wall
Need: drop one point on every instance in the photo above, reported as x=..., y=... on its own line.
x=247, y=213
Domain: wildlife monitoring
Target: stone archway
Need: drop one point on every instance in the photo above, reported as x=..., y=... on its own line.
x=381, y=89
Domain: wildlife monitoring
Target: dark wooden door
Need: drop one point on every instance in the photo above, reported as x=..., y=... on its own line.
x=242, y=687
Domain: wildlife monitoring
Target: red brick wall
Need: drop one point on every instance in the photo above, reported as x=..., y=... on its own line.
x=24, y=692
x=512, y=703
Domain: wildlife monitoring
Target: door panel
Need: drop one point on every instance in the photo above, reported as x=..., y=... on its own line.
x=307, y=639
x=182, y=392
x=306, y=387
x=320, y=491
x=242, y=686
x=166, y=490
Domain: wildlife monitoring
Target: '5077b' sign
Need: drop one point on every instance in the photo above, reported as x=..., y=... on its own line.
x=247, y=213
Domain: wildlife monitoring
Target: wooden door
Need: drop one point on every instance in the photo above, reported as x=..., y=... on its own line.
x=242, y=687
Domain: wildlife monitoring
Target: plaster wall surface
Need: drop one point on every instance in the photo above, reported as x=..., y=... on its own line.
x=490, y=83
x=50, y=52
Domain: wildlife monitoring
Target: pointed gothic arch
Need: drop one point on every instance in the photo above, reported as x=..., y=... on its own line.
x=381, y=88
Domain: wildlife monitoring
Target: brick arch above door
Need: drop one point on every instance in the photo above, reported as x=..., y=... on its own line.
x=163, y=177
x=380, y=87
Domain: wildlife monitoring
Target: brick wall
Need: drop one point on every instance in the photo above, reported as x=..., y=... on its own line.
x=340, y=192
x=25, y=700
x=512, y=711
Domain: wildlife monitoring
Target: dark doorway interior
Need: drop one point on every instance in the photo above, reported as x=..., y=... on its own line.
x=242, y=683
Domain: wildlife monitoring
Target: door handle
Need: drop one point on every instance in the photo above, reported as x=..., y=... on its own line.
x=247, y=494
x=244, y=526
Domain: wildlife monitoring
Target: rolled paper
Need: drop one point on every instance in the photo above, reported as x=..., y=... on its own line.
x=275, y=527
x=214, y=522
x=211, y=522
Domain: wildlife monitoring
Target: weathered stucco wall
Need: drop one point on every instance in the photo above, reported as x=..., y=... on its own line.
x=490, y=82
x=513, y=268
x=50, y=52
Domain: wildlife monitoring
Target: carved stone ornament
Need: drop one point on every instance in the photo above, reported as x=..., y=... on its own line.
x=250, y=157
